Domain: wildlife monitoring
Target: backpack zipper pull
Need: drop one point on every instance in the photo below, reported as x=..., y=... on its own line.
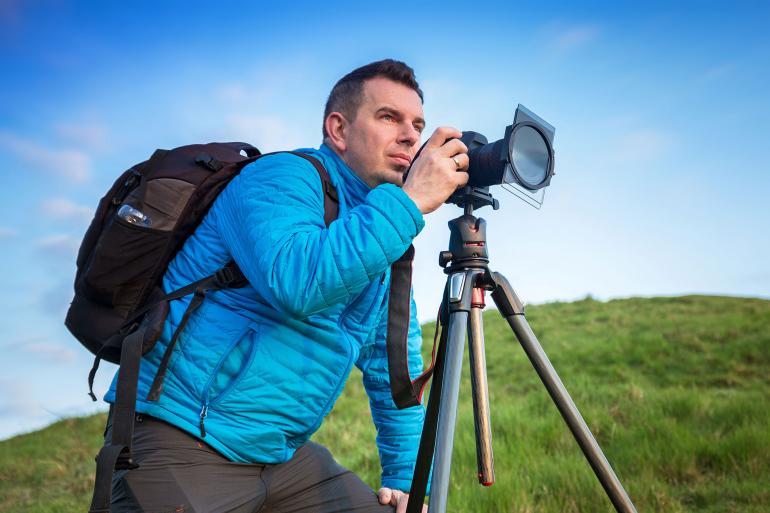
x=204, y=412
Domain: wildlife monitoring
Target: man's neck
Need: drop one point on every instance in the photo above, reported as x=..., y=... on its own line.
x=341, y=156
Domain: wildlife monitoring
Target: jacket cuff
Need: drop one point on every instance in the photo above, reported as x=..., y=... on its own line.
x=405, y=485
x=394, y=199
x=397, y=484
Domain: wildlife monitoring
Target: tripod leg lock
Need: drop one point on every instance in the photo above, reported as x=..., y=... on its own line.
x=456, y=286
x=460, y=290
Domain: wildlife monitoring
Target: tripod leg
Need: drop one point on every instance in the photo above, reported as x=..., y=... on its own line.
x=428, y=438
x=480, y=393
x=459, y=305
x=510, y=307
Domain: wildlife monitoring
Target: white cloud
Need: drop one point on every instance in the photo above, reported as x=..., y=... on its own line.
x=42, y=347
x=26, y=405
x=59, y=246
x=233, y=92
x=17, y=400
x=566, y=37
x=258, y=87
x=21, y=410
x=717, y=72
x=52, y=352
x=66, y=210
x=92, y=136
x=643, y=145
x=73, y=165
x=268, y=133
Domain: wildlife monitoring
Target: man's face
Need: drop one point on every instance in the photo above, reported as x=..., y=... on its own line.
x=381, y=141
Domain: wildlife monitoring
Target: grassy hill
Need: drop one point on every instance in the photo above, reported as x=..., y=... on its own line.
x=675, y=390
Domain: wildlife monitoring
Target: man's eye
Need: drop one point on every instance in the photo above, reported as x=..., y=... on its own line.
x=388, y=117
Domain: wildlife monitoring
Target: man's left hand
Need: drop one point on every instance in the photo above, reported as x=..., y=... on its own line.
x=396, y=498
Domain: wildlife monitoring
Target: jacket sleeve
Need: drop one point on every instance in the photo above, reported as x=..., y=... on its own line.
x=398, y=431
x=271, y=219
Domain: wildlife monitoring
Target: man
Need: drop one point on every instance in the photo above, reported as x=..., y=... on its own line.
x=258, y=368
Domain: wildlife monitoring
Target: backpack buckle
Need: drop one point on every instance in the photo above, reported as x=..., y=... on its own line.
x=209, y=162
x=125, y=461
x=129, y=185
x=223, y=277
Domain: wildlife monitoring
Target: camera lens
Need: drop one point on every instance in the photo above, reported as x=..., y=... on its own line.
x=529, y=156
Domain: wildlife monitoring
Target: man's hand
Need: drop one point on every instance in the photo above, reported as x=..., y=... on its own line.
x=439, y=170
x=396, y=498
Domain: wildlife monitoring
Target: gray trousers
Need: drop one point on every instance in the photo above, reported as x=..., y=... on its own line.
x=180, y=473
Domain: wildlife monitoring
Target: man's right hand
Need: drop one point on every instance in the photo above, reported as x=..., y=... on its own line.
x=396, y=498
x=439, y=170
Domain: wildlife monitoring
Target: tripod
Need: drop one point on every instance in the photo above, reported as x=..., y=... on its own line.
x=468, y=279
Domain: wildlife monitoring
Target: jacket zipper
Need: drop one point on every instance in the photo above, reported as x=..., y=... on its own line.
x=204, y=412
x=206, y=388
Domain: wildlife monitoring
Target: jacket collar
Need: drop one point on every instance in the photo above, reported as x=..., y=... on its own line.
x=355, y=188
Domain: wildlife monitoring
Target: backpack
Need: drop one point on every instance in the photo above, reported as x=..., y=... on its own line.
x=119, y=306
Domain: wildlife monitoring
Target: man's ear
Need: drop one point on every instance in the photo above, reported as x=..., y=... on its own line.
x=337, y=130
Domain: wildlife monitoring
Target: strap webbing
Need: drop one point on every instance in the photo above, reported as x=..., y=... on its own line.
x=105, y=468
x=405, y=392
x=125, y=395
x=331, y=200
x=92, y=376
x=160, y=376
x=118, y=453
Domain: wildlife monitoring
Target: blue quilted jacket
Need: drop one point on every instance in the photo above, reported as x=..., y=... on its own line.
x=257, y=369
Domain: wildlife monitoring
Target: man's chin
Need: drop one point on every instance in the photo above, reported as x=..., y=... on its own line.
x=395, y=175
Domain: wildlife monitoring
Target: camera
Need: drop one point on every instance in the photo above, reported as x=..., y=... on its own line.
x=522, y=161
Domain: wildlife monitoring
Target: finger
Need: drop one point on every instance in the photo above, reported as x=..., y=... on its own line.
x=460, y=179
x=461, y=161
x=453, y=147
x=402, y=503
x=384, y=495
x=440, y=136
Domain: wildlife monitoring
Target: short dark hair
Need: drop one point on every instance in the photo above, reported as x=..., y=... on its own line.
x=347, y=92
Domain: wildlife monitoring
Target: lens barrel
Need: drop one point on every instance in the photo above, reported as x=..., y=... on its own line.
x=487, y=164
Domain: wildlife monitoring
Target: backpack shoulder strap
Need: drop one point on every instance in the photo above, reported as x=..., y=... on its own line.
x=331, y=200
x=405, y=391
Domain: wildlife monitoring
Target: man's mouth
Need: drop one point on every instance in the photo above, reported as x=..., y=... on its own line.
x=402, y=159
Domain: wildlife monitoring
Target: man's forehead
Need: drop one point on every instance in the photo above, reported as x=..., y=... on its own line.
x=381, y=92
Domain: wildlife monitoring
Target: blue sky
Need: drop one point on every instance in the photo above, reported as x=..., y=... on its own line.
x=661, y=114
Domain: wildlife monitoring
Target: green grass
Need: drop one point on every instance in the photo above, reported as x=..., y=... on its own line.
x=674, y=389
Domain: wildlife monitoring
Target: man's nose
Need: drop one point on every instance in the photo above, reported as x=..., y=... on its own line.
x=409, y=134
